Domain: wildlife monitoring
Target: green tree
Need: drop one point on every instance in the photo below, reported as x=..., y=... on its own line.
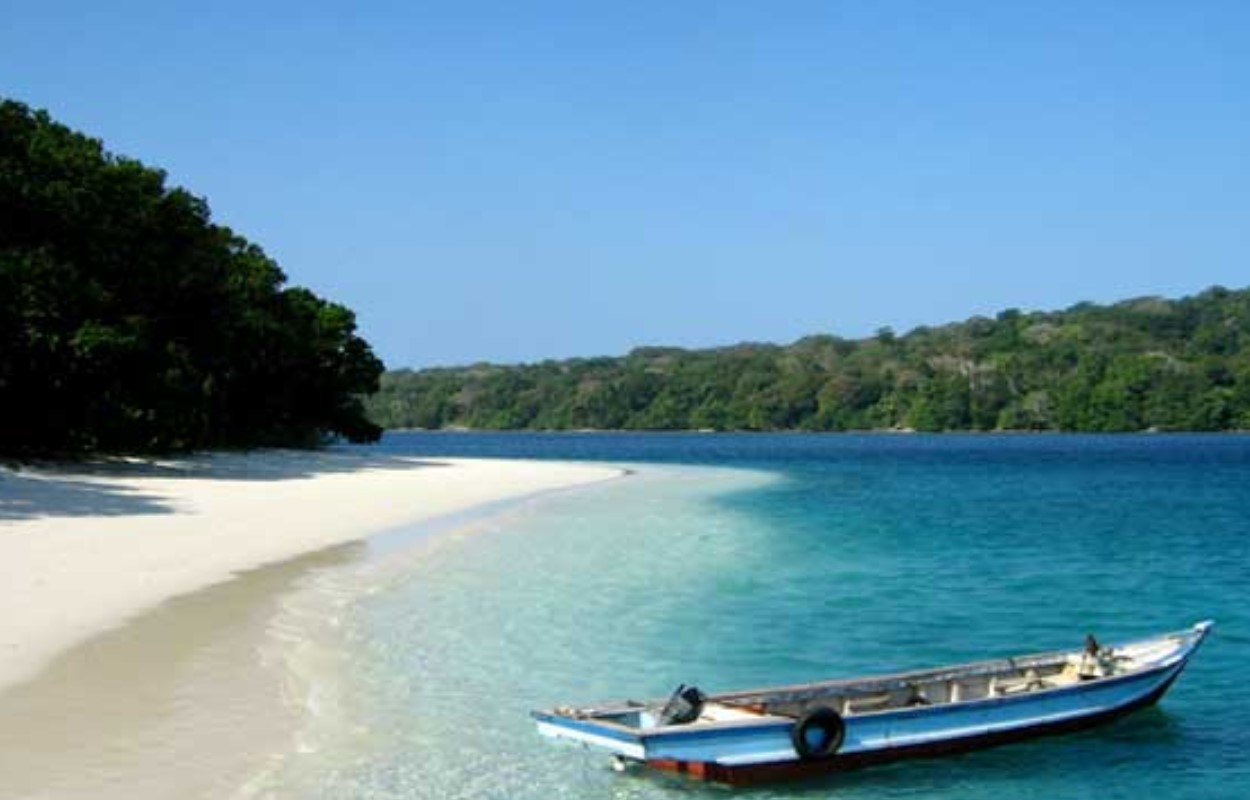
x=132, y=323
x=1148, y=362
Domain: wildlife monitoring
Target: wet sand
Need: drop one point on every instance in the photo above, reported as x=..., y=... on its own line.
x=138, y=652
x=181, y=702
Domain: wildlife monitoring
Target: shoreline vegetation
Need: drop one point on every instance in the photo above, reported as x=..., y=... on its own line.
x=131, y=323
x=1147, y=364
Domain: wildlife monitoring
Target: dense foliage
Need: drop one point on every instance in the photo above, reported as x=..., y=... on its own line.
x=1141, y=364
x=130, y=322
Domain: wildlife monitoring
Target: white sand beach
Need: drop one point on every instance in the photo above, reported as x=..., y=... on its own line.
x=85, y=548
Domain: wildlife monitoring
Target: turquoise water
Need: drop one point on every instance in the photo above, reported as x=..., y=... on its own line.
x=734, y=561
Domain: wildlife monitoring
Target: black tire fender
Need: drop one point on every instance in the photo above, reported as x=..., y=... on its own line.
x=818, y=733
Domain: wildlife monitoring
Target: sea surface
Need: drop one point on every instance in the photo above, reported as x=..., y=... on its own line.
x=733, y=561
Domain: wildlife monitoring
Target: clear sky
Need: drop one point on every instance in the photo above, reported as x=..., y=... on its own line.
x=519, y=180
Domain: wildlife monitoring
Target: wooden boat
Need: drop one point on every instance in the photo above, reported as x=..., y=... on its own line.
x=806, y=730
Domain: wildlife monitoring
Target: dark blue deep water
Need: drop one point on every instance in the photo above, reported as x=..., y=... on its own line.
x=809, y=557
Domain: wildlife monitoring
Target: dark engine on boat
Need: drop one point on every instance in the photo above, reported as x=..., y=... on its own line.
x=683, y=706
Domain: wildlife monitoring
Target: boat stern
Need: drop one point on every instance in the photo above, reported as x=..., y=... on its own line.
x=615, y=731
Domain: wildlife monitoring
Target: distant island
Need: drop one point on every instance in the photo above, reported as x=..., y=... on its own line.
x=1142, y=364
x=129, y=322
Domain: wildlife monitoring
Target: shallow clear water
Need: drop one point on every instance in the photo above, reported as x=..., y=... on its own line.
x=814, y=557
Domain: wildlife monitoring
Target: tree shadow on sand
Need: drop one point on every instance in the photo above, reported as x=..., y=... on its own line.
x=96, y=487
x=25, y=496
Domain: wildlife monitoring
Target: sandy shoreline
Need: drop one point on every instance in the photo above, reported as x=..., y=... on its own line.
x=84, y=550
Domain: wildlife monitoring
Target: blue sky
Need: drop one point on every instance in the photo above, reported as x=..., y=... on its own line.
x=513, y=181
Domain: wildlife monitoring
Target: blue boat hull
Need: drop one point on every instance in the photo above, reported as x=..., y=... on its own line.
x=757, y=736
x=791, y=769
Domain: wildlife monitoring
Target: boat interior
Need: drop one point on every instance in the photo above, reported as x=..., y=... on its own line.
x=997, y=679
x=986, y=680
x=887, y=695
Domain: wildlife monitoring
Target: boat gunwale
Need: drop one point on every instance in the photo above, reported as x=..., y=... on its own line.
x=1188, y=640
x=683, y=731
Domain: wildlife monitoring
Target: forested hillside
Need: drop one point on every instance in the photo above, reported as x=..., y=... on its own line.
x=130, y=322
x=1141, y=364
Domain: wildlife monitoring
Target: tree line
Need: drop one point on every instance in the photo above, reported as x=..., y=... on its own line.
x=129, y=322
x=1142, y=364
